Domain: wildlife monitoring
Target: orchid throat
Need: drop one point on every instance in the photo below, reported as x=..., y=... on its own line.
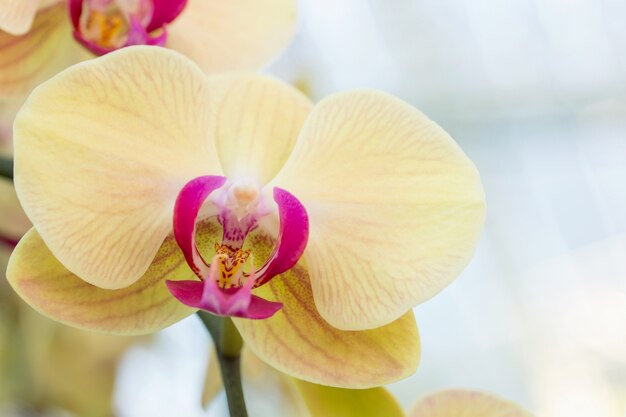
x=225, y=288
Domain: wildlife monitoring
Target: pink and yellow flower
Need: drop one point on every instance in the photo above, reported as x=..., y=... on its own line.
x=39, y=38
x=135, y=166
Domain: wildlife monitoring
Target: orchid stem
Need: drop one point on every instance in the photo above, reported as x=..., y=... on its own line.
x=6, y=168
x=228, y=344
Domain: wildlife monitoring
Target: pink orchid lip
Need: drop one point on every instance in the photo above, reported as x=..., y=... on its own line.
x=163, y=12
x=236, y=301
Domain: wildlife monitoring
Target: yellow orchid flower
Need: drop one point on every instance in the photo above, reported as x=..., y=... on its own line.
x=39, y=38
x=135, y=166
x=464, y=403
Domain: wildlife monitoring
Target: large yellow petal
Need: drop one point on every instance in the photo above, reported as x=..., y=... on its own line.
x=29, y=59
x=460, y=403
x=101, y=152
x=144, y=307
x=257, y=122
x=16, y=16
x=298, y=342
x=13, y=220
x=395, y=207
x=235, y=34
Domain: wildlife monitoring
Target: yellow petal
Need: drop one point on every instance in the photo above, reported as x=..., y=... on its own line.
x=322, y=401
x=144, y=307
x=13, y=220
x=101, y=152
x=297, y=341
x=460, y=403
x=16, y=16
x=233, y=35
x=257, y=122
x=395, y=207
x=29, y=59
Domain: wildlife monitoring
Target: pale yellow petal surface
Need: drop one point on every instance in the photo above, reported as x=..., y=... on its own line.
x=323, y=401
x=256, y=122
x=395, y=207
x=299, y=342
x=144, y=307
x=101, y=152
x=29, y=59
x=462, y=403
x=16, y=16
x=13, y=220
x=235, y=34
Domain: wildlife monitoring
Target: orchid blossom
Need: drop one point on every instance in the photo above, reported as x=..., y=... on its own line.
x=331, y=221
x=464, y=403
x=36, y=39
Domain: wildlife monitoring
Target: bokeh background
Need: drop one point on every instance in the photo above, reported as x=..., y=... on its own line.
x=534, y=92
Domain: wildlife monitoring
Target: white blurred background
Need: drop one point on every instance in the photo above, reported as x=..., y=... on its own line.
x=534, y=92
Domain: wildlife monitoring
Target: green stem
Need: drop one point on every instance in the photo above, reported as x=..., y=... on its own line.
x=231, y=342
x=6, y=167
x=228, y=344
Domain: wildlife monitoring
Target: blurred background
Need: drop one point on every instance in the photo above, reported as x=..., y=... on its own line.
x=534, y=92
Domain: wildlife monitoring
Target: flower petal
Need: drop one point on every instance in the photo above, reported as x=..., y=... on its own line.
x=188, y=204
x=13, y=221
x=256, y=124
x=29, y=59
x=322, y=401
x=395, y=207
x=101, y=152
x=460, y=403
x=297, y=341
x=144, y=307
x=16, y=16
x=292, y=236
x=191, y=293
x=233, y=35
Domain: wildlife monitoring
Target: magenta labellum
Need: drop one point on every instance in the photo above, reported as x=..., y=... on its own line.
x=224, y=288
